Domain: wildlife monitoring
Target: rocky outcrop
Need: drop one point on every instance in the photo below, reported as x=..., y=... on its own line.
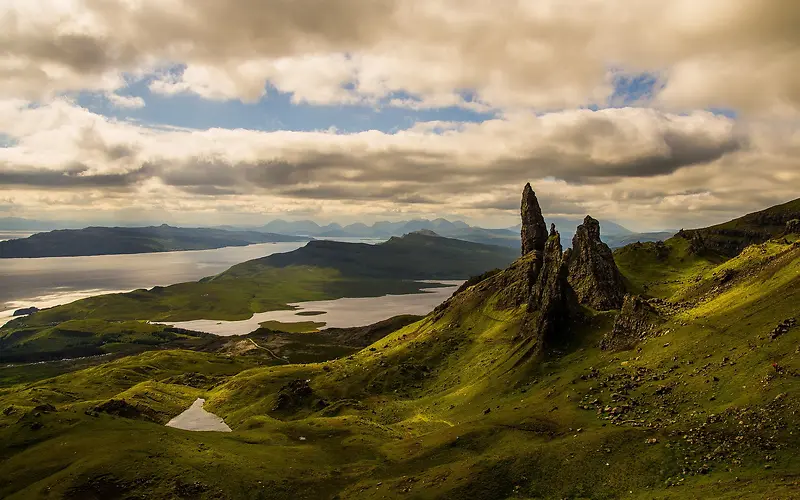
x=534, y=229
x=551, y=293
x=293, y=396
x=593, y=274
x=635, y=321
x=792, y=227
x=26, y=312
x=124, y=409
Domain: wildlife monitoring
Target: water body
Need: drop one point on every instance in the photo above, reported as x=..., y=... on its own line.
x=53, y=281
x=339, y=313
x=197, y=419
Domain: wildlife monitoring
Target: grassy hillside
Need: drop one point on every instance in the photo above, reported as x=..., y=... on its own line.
x=732, y=237
x=130, y=240
x=452, y=407
x=413, y=256
x=89, y=337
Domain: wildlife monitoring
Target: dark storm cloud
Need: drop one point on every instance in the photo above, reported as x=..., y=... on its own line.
x=74, y=176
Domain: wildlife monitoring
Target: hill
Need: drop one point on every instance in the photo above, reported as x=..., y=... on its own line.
x=420, y=255
x=531, y=382
x=130, y=240
x=732, y=237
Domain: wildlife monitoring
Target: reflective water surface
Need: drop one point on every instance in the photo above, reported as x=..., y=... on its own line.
x=339, y=313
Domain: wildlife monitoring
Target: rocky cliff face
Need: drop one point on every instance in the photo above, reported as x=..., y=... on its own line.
x=551, y=294
x=534, y=229
x=551, y=282
x=593, y=274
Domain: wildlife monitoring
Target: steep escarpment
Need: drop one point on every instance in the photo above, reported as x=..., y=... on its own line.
x=730, y=238
x=552, y=299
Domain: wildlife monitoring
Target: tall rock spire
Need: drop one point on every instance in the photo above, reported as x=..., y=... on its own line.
x=534, y=230
x=592, y=272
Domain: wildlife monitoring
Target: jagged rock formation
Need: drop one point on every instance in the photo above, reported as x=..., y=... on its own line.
x=593, y=274
x=534, y=229
x=635, y=321
x=551, y=294
x=520, y=282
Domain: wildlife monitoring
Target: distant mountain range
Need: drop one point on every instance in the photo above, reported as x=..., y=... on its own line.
x=131, y=240
x=613, y=234
x=104, y=240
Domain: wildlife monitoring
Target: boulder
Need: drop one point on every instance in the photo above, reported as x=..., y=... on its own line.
x=593, y=274
x=634, y=322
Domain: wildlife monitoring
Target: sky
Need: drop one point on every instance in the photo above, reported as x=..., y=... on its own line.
x=653, y=114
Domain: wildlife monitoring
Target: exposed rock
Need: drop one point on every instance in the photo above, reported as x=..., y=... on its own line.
x=793, y=227
x=782, y=328
x=45, y=408
x=121, y=408
x=634, y=322
x=534, y=229
x=592, y=272
x=514, y=285
x=26, y=311
x=293, y=396
x=551, y=297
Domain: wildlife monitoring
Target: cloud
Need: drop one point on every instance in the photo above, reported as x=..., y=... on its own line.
x=547, y=54
x=542, y=67
x=72, y=176
x=635, y=163
x=124, y=101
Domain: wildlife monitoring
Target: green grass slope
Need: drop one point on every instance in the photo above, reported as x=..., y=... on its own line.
x=732, y=237
x=413, y=256
x=451, y=407
x=89, y=337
